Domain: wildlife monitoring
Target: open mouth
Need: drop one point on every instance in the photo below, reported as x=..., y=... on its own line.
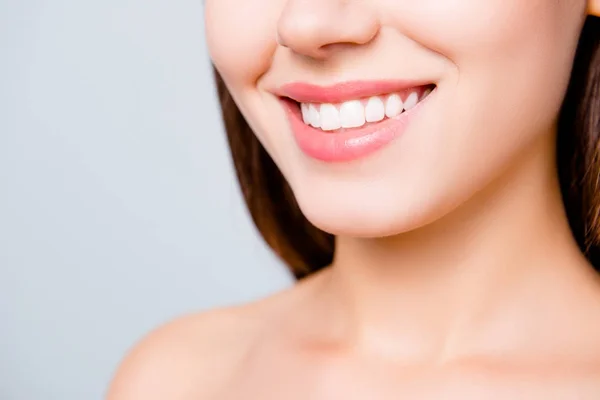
x=360, y=112
x=351, y=120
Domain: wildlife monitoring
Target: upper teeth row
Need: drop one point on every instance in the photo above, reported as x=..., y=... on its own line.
x=356, y=113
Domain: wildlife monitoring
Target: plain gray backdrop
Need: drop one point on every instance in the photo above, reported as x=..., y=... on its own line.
x=118, y=205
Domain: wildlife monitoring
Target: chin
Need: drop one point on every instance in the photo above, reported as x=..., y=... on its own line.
x=367, y=216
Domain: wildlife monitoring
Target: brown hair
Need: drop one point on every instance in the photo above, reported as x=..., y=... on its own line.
x=307, y=249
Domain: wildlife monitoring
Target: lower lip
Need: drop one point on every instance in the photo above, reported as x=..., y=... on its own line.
x=350, y=144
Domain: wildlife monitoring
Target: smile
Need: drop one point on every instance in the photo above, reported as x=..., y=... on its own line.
x=351, y=120
x=357, y=113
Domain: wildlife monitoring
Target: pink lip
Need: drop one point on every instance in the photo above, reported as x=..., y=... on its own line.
x=351, y=144
x=338, y=93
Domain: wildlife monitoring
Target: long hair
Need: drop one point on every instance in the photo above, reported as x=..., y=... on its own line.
x=306, y=249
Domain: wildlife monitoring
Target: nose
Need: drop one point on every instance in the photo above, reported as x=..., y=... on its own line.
x=314, y=28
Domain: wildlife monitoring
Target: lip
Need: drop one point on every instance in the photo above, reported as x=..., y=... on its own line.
x=351, y=144
x=338, y=93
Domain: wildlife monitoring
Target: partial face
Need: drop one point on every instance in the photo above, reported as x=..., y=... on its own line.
x=337, y=91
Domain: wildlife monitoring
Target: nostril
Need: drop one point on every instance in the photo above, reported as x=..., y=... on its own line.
x=331, y=47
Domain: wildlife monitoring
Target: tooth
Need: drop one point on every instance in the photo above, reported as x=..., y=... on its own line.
x=314, y=117
x=375, y=110
x=305, y=113
x=352, y=114
x=411, y=101
x=393, y=106
x=330, y=117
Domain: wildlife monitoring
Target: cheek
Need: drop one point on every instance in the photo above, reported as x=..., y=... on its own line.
x=241, y=42
x=511, y=65
x=458, y=27
x=512, y=61
x=241, y=37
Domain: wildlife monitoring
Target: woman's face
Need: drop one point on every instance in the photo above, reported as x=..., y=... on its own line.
x=357, y=163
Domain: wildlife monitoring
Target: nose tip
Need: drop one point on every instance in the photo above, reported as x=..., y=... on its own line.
x=314, y=28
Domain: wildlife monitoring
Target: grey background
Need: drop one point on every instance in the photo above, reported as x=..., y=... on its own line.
x=118, y=205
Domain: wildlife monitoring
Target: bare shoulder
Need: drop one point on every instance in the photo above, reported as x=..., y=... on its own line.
x=181, y=358
x=193, y=356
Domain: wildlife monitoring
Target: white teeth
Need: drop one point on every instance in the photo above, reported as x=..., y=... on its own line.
x=375, y=110
x=330, y=117
x=411, y=101
x=305, y=113
x=355, y=113
x=313, y=116
x=394, y=106
x=352, y=114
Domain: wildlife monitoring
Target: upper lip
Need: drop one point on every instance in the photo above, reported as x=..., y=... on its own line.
x=345, y=91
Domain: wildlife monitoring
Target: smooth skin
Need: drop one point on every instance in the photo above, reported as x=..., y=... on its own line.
x=456, y=275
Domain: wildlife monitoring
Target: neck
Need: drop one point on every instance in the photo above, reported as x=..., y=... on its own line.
x=438, y=285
